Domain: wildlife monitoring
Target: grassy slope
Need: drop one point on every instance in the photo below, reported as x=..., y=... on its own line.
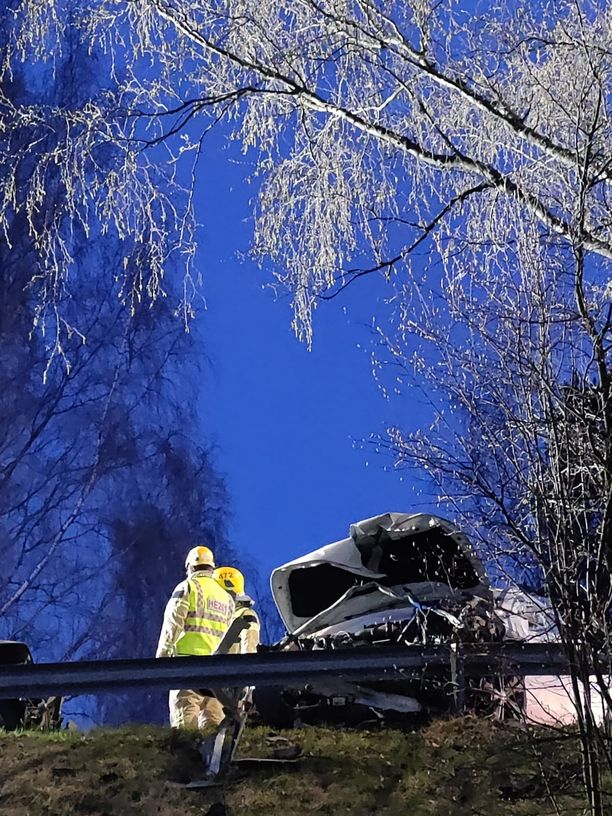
x=451, y=767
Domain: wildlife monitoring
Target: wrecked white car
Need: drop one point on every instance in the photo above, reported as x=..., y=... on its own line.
x=396, y=579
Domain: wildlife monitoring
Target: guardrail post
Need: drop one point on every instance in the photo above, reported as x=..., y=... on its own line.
x=457, y=677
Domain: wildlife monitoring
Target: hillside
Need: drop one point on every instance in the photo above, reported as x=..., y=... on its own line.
x=448, y=768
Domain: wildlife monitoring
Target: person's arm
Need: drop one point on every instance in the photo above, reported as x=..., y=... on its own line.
x=251, y=635
x=174, y=620
x=231, y=609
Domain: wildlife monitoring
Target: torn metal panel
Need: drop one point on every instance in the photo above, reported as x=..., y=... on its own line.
x=418, y=547
x=341, y=692
x=407, y=552
x=526, y=617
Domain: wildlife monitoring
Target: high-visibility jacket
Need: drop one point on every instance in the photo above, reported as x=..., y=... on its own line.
x=196, y=617
x=248, y=638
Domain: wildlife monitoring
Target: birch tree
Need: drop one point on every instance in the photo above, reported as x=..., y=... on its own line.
x=93, y=448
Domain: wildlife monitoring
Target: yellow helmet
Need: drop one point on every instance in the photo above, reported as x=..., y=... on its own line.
x=199, y=557
x=230, y=578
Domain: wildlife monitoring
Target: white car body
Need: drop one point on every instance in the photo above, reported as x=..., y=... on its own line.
x=373, y=552
x=389, y=567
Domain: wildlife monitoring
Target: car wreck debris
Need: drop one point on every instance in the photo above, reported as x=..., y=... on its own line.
x=403, y=580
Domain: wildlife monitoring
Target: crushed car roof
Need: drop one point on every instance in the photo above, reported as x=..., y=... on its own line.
x=390, y=550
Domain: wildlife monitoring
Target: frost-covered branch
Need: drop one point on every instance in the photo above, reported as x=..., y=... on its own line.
x=353, y=104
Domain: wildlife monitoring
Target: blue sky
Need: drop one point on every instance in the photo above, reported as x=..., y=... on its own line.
x=286, y=420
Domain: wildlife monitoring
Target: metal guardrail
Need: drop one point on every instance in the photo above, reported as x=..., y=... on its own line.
x=281, y=668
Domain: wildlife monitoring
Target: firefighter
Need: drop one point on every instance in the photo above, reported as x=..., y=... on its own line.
x=246, y=637
x=232, y=580
x=196, y=618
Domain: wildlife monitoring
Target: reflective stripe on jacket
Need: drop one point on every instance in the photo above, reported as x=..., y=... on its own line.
x=248, y=637
x=208, y=616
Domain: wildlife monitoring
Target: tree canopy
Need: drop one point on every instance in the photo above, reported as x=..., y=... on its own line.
x=378, y=128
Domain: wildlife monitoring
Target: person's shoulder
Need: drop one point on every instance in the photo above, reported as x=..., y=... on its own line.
x=220, y=594
x=181, y=590
x=217, y=587
x=246, y=611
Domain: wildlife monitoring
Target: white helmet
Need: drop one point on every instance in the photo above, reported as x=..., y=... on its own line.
x=199, y=557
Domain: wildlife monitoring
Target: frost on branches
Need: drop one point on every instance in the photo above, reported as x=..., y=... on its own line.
x=376, y=125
